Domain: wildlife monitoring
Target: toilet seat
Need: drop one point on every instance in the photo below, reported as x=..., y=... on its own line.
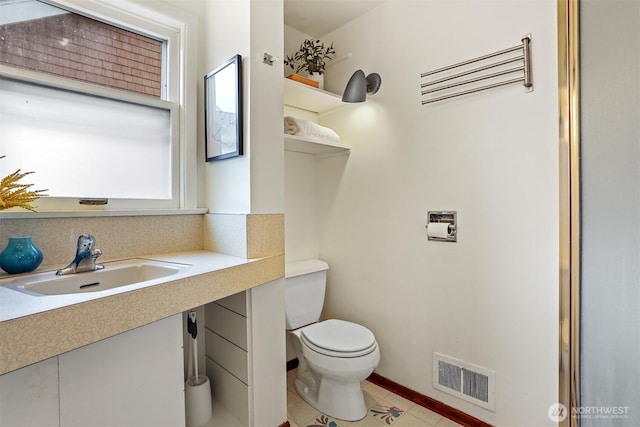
x=338, y=338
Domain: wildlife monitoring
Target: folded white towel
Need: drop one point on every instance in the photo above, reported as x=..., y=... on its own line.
x=301, y=127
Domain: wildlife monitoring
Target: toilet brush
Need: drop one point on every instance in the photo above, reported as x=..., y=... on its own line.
x=198, y=389
x=192, y=328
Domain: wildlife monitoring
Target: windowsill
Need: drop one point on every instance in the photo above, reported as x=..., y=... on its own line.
x=99, y=213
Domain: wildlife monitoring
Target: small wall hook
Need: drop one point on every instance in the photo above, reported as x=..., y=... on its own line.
x=269, y=59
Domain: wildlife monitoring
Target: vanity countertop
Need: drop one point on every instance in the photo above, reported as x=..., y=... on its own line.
x=34, y=328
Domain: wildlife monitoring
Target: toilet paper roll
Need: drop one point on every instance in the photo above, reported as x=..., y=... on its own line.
x=438, y=229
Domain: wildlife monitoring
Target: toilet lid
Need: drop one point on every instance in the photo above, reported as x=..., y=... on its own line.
x=339, y=335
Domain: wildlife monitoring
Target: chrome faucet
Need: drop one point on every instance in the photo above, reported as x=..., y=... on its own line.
x=86, y=255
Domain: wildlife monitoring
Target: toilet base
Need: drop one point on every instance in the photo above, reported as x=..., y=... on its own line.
x=332, y=384
x=338, y=399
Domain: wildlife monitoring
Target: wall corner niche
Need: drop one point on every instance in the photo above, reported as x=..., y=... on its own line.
x=318, y=102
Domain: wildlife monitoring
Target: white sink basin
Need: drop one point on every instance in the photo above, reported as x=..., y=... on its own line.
x=114, y=275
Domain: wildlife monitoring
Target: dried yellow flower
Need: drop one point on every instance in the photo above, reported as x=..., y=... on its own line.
x=13, y=194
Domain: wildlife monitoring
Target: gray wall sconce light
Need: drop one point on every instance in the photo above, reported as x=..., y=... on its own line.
x=359, y=86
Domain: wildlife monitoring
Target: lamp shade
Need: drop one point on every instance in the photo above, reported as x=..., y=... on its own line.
x=359, y=86
x=356, y=90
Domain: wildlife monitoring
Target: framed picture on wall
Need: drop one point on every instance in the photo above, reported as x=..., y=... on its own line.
x=223, y=110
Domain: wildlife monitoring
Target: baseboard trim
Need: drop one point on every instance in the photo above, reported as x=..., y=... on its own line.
x=427, y=402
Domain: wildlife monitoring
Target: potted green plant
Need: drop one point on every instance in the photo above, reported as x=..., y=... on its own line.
x=312, y=57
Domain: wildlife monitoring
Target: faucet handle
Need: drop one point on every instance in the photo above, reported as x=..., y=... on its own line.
x=86, y=254
x=86, y=243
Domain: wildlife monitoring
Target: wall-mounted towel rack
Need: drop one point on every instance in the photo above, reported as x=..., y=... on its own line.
x=504, y=58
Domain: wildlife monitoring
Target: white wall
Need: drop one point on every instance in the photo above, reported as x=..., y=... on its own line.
x=491, y=298
x=254, y=182
x=267, y=90
x=301, y=205
x=227, y=182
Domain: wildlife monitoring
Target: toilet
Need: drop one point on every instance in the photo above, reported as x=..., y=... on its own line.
x=334, y=356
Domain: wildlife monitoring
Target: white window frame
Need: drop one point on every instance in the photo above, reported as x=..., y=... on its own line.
x=180, y=67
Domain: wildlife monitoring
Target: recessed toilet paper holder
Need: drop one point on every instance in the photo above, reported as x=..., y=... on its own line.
x=440, y=232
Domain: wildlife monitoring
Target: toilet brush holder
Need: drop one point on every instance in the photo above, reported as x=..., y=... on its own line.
x=198, y=401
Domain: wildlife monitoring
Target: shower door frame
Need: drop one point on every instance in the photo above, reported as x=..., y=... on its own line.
x=569, y=239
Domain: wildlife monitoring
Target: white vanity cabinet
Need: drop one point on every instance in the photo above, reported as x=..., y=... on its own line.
x=136, y=379
x=29, y=396
x=132, y=379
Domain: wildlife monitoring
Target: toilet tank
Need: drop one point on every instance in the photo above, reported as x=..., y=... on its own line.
x=305, y=283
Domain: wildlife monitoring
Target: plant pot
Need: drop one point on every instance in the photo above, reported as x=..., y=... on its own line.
x=317, y=77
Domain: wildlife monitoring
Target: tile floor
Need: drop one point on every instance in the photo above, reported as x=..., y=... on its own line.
x=384, y=408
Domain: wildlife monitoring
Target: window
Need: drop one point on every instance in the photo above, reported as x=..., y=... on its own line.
x=91, y=107
x=54, y=41
x=84, y=146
